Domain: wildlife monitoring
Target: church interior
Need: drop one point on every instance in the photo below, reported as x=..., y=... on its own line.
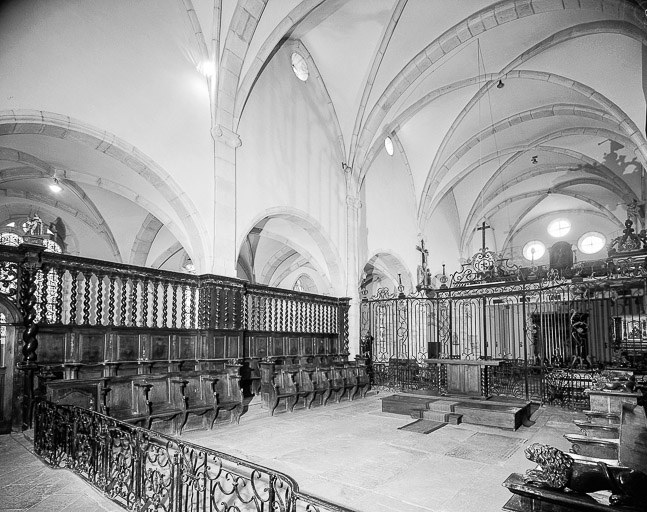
x=224, y=218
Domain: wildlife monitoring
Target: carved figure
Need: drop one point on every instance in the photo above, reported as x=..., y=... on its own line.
x=558, y=470
x=579, y=335
x=627, y=384
x=366, y=345
x=422, y=268
x=34, y=225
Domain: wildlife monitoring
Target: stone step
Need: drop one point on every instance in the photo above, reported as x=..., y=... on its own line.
x=445, y=417
x=435, y=415
x=442, y=405
x=454, y=419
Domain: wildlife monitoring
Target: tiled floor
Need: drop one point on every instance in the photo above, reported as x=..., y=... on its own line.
x=349, y=453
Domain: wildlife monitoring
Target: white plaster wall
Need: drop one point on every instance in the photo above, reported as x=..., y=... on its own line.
x=389, y=207
x=287, y=162
x=441, y=236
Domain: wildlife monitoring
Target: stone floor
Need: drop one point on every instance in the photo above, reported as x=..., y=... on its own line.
x=26, y=483
x=349, y=453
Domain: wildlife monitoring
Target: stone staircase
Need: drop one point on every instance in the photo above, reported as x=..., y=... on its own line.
x=438, y=410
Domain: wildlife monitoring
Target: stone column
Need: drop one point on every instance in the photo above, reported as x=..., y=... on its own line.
x=353, y=208
x=224, y=219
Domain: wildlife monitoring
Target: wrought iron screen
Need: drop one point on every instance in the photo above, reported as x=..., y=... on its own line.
x=146, y=471
x=551, y=336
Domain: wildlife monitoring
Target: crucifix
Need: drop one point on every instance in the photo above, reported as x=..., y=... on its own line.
x=483, y=227
x=423, y=252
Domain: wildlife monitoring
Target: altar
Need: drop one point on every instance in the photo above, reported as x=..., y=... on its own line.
x=464, y=376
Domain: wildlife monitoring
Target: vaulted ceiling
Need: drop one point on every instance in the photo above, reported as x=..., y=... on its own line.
x=514, y=112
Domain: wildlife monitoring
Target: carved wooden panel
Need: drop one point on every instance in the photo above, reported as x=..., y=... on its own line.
x=127, y=347
x=218, y=347
x=51, y=348
x=257, y=346
x=233, y=348
x=159, y=347
x=292, y=345
x=91, y=347
x=187, y=347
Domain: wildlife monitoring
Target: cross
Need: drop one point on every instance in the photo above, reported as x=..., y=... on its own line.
x=483, y=227
x=423, y=252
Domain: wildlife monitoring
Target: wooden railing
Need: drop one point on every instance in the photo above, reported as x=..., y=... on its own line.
x=85, y=318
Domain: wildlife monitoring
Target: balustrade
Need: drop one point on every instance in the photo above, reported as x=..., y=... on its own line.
x=99, y=319
x=143, y=470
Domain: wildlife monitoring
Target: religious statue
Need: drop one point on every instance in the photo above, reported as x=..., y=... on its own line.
x=424, y=276
x=558, y=470
x=366, y=345
x=634, y=210
x=579, y=337
x=33, y=226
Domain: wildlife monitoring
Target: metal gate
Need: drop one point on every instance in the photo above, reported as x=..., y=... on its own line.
x=552, y=337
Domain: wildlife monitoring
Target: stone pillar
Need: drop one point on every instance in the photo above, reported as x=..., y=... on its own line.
x=353, y=208
x=225, y=252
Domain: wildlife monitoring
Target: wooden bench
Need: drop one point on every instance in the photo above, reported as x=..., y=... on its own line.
x=604, y=418
x=228, y=394
x=602, y=448
x=306, y=384
x=251, y=376
x=602, y=430
x=198, y=392
x=336, y=384
x=307, y=378
x=281, y=386
x=85, y=393
x=143, y=399
x=205, y=393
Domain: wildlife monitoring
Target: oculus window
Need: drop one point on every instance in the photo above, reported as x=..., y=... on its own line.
x=559, y=228
x=591, y=242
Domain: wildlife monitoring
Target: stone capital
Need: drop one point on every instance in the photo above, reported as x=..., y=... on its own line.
x=353, y=202
x=229, y=137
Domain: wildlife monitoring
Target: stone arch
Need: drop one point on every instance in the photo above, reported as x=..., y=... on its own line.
x=167, y=254
x=36, y=168
x=144, y=240
x=627, y=126
x=57, y=207
x=466, y=236
x=519, y=225
x=192, y=232
x=487, y=19
x=333, y=273
x=9, y=214
x=308, y=284
x=591, y=166
x=290, y=248
x=267, y=49
x=516, y=152
x=385, y=264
